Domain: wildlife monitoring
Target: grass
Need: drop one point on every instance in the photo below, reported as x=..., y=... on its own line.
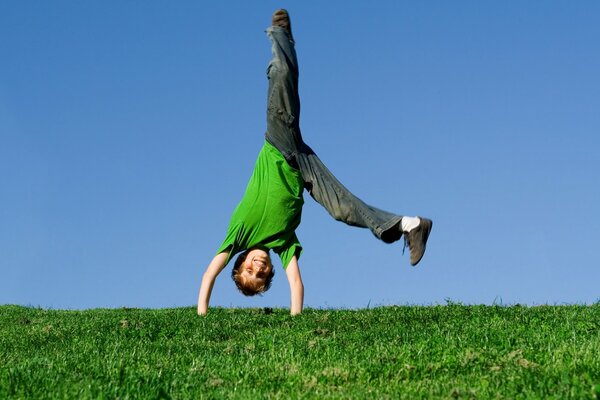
x=414, y=352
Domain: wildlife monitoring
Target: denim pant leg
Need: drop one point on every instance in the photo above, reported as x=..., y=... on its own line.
x=283, y=101
x=283, y=132
x=341, y=204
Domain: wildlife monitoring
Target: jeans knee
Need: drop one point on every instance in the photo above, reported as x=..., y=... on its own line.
x=279, y=71
x=341, y=211
x=276, y=112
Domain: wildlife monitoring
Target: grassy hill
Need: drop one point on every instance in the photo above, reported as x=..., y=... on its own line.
x=450, y=351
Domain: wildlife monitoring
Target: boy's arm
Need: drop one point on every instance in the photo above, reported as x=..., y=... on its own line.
x=296, y=286
x=208, y=280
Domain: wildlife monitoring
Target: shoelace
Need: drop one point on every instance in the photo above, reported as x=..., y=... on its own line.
x=406, y=242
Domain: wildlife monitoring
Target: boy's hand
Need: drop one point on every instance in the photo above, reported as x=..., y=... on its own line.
x=296, y=286
x=208, y=280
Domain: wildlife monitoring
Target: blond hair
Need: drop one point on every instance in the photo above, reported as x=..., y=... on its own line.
x=249, y=287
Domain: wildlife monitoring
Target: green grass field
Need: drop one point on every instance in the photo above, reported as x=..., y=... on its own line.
x=412, y=352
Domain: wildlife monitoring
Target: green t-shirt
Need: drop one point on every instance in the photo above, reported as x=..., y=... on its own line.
x=270, y=210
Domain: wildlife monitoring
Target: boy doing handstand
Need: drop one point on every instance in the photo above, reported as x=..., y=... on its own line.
x=269, y=213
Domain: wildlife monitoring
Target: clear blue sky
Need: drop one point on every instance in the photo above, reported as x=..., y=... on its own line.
x=128, y=131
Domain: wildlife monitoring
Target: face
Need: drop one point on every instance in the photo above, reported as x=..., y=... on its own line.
x=256, y=266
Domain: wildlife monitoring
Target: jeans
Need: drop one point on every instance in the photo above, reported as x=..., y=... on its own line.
x=283, y=132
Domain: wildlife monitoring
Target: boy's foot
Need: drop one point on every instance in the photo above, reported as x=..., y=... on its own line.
x=282, y=18
x=416, y=239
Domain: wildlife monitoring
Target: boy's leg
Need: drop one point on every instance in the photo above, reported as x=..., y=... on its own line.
x=341, y=204
x=283, y=131
x=283, y=101
x=346, y=207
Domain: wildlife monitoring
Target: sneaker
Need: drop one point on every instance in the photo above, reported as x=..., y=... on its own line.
x=282, y=18
x=416, y=240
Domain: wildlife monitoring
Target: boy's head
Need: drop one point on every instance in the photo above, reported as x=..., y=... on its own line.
x=253, y=271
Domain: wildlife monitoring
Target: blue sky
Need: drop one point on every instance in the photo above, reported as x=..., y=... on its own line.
x=128, y=131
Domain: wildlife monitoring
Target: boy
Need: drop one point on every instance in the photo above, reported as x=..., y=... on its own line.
x=269, y=213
